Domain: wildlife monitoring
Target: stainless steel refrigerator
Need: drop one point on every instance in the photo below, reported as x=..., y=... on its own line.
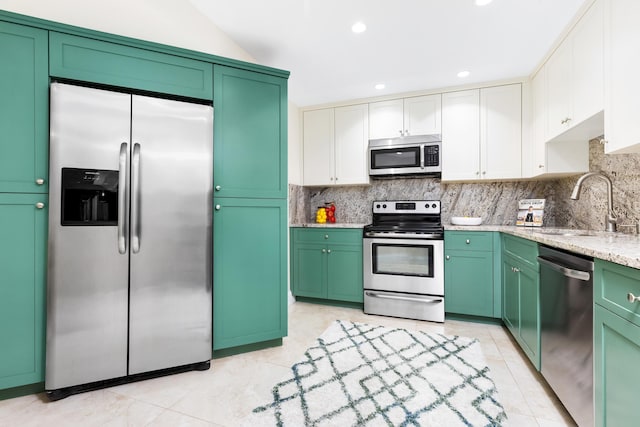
x=130, y=251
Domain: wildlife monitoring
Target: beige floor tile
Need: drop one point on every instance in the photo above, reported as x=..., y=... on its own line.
x=225, y=394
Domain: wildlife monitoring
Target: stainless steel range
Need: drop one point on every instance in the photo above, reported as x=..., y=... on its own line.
x=403, y=260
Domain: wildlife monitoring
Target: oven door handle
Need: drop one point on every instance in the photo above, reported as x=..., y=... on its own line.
x=404, y=298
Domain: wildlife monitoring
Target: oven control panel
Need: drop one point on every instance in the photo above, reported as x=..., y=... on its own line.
x=407, y=207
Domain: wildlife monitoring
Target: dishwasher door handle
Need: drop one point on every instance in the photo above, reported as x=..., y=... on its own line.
x=569, y=272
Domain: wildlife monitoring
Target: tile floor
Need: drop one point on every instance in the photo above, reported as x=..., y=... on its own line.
x=236, y=384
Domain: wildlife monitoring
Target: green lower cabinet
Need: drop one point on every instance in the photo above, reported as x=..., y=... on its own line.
x=249, y=271
x=23, y=237
x=617, y=377
x=521, y=299
x=327, y=264
x=471, y=277
x=468, y=283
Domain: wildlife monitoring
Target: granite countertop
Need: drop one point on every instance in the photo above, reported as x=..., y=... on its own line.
x=615, y=247
x=328, y=225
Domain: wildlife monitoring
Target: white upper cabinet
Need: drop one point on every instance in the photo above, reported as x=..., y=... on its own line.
x=622, y=84
x=501, y=132
x=335, y=146
x=318, y=147
x=419, y=115
x=351, y=140
x=538, y=152
x=574, y=76
x=461, y=135
x=482, y=134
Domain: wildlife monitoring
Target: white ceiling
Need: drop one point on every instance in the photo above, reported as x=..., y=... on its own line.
x=409, y=45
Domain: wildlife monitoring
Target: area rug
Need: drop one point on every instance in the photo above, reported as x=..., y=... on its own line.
x=364, y=375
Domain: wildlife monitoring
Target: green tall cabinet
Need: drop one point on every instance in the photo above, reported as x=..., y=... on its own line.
x=250, y=208
x=23, y=203
x=23, y=231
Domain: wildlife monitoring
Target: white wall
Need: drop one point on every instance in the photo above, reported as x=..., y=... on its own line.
x=171, y=22
x=295, y=145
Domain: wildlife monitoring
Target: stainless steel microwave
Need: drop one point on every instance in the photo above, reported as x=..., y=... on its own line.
x=415, y=155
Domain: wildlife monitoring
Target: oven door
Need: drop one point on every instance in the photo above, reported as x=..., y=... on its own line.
x=403, y=265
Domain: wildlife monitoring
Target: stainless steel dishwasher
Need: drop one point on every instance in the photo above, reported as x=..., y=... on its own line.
x=566, y=319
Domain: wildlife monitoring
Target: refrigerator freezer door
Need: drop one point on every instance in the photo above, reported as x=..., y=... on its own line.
x=171, y=235
x=87, y=293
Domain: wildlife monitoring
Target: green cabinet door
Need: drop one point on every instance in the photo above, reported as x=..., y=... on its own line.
x=521, y=298
x=23, y=237
x=530, y=313
x=510, y=294
x=617, y=378
x=468, y=282
x=24, y=94
x=249, y=271
x=309, y=274
x=344, y=273
x=250, y=134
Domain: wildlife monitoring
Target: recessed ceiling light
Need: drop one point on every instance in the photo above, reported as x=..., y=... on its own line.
x=483, y=2
x=358, y=27
x=463, y=74
x=380, y=86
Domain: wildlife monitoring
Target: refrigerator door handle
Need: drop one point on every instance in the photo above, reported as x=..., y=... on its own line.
x=122, y=198
x=135, y=199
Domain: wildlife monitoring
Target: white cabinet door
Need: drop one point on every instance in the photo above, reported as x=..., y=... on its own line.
x=351, y=140
x=559, y=90
x=587, y=70
x=318, y=142
x=501, y=132
x=622, y=83
x=461, y=135
x=386, y=119
x=538, y=151
x=422, y=115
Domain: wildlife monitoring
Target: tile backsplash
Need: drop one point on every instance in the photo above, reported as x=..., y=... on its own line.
x=495, y=202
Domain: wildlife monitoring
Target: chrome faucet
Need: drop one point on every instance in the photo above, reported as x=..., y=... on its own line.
x=610, y=219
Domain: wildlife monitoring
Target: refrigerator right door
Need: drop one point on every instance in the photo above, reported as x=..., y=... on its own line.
x=170, y=307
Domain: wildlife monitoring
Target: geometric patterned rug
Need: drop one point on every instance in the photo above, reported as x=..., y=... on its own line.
x=363, y=375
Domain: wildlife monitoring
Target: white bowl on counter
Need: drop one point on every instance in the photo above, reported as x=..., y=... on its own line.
x=466, y=220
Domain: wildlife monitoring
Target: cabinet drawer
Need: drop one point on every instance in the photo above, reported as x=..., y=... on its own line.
x=468, y=240
x=95, y=61
x=342, y=236
x=612, y=283
x=524, y=249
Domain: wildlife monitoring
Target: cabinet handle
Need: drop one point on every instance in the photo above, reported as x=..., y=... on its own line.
x=632, y=298
x=447, y=257
x=477, y=172
x=336, y=178
x=484, y=172
x=541, y=166
x=326, y=236
x=324, y=251
x=218, y=207
x=218, y=188
x=39, y=181
x=515, y=269
x=400, y=132
x=468, y=241
x=328, y=251
x=39, y=205
x=331, y=179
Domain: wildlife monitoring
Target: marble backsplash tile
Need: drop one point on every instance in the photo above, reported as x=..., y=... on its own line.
x=495, y=202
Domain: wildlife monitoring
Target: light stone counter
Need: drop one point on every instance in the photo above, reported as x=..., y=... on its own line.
x=615, y=247
x=328, y=225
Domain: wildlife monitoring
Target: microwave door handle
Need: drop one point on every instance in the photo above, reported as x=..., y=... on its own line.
x=422, y=156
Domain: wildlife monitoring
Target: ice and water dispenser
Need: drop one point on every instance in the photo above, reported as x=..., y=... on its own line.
x=89, y=197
